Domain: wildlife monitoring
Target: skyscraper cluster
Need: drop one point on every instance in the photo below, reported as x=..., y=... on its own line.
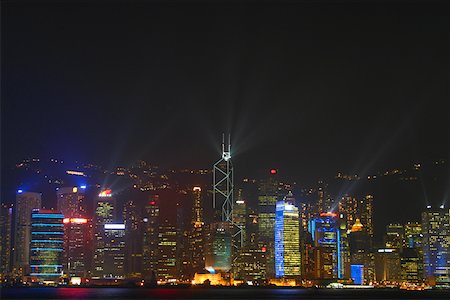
x=272, y=237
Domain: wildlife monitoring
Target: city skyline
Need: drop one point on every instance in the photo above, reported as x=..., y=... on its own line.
x=223, y=143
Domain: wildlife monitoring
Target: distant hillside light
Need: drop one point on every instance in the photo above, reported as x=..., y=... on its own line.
x=273, y=171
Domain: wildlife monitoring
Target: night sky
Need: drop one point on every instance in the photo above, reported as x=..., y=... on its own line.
x=310, y=87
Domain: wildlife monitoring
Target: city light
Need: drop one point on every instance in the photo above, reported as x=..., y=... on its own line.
x=19, y=191
x=83, y=187
x=75, y=220
x=196, y=189
x=114, y=226
x=105, y=193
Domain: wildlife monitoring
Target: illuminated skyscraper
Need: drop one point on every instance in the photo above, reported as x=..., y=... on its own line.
x=324, y=202
x=5, y=238
x=436, y=245
x=70, y=202
x=287, y=239
x=151, y=230
x=114, y=251
x=167, y=253
x=267, y=199
x=105, y=213
x=360, y=254
x=395, y=236
x=250, y=265
x=46, y=245
x=365, y=213
x=348, y=208
x=388, y=268
x=239, y=219
x=25, y=203
x=134, y=237
x=326, y=236
x=77, y=247
x=197, y=234
x=412, y=254
x=218, y=247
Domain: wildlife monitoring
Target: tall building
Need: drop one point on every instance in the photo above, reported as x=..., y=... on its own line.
x=348, y=207
x=388, y=268
x=5, y=238
x=167, y=253
x=218, y=247
x=105, y=213
x=70, y=202
x=250, y=265
x=326, y=236
x=25, y=203
x=46, y=245
x=287, y=239
x=267, y=198
x=197, y=234
x=114, y=251
x=365, y=213
x=151, y=232
x=395, y=236
x=324, y=202
x=361, y=258
x=436, y=245
x=412, y=255
x=134, y=237
x=239, y=220
x=77, y=247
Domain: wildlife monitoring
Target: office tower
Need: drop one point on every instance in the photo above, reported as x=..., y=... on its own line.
x=77, y=247
x=307, y=256
x=326, y=236
x=365, y=213
x=167, y=253
x=105, y=213
x=197, y=232
x=183, y=256
x=267, y=199
x=70, y=202
x=361, y=258
x=324, y=202
x=218, y=247
x=46, y=245
x=151, y=231
x=287, y=239
x=345, y=247
x=412, y=255
x=114, y=251
x=5, y=239
x=388, y=268
x=134, y=237
x=25, y=203
x=348, y=207
x=252, y=229
x=436, y=245
x=250, y=265
x=395, y=236
x=239, y=220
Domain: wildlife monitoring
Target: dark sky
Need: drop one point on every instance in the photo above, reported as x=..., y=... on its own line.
x=309, y=87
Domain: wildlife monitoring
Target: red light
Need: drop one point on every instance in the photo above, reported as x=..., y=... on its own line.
x=273, y=171
x=152, y=203
x=263, y=249
x=328, y=214
x=75, y=220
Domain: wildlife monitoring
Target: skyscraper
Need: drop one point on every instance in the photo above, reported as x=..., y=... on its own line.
x=167, y=253
x=326, y=236
x=134, y=237
x=267, y=199
x=70, y=202
x=365, y=213
x=77, y=247
x=25, y=203
x=197, y=234
x=105, y=213
x=436, y=245
x=218, y=247
x=114, y=251
x=46, y=245
x=151, y=232
x=287, y=239
x=395, y=236
x=5, y=240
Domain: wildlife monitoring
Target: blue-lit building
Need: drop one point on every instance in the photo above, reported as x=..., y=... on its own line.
x=436, y=245
x=287, y=239
x=326, y=235
x=46, y=246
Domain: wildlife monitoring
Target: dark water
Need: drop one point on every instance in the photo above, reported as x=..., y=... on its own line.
x=214, y=293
